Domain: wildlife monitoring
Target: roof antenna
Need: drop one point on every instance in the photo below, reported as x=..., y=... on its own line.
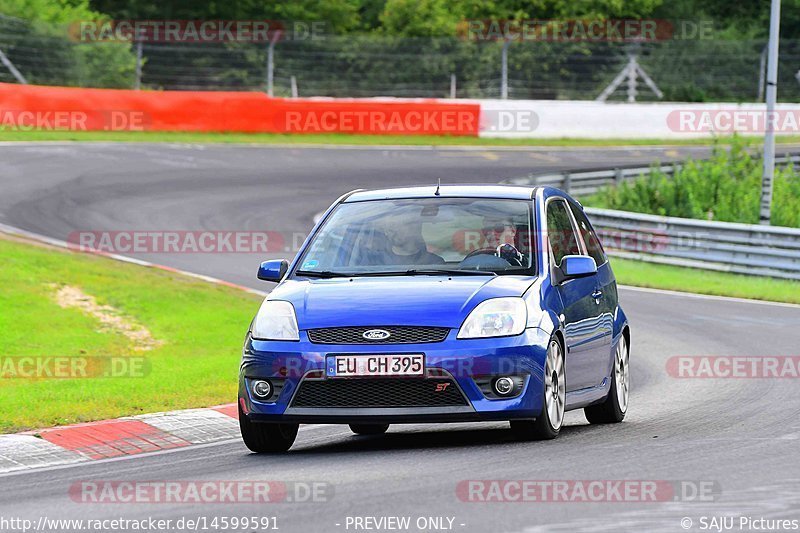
x=438, y=184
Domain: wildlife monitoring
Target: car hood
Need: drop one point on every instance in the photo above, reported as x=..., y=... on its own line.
x=393, y=301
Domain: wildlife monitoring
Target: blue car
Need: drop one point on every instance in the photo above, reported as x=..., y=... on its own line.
x=438, y=304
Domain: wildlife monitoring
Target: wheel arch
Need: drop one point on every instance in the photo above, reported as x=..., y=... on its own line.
x=626, y=334
x=558, y=334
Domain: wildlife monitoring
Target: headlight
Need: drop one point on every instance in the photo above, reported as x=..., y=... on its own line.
x=276, y=321
x=497, y=317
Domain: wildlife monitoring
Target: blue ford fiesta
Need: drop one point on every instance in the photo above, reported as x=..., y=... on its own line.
x=438, y=304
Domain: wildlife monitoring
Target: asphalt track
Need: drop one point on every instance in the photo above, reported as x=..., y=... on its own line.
x=742, y=435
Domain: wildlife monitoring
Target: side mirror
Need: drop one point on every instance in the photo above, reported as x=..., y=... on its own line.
x=576, y=266
x=273, y=270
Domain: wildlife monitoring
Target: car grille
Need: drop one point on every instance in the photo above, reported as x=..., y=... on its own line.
x=398, y=335
x=378, y=392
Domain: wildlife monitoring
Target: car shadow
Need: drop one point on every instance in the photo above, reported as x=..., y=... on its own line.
x=401, y=439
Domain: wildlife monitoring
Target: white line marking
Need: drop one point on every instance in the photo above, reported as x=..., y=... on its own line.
x=121, y=458
x=378, y=147
x=12, y=230
x=146, y=454
x=708, y=296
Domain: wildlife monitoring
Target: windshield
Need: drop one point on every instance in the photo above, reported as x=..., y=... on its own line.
x=423, y=235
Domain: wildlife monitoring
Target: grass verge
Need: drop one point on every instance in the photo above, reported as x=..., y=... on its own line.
x=341, y=139
x=201, y=326
x=640, y=274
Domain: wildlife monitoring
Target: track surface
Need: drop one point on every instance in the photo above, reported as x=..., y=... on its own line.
x=744, y=435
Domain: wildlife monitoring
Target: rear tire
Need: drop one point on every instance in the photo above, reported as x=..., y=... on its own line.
x=548, y=425
x=266, y=437
x=613, y=409
x=369, y=429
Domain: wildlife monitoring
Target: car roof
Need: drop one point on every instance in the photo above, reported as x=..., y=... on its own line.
x=514, y=192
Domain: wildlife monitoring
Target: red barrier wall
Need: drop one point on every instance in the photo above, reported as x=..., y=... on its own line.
x=39, y=107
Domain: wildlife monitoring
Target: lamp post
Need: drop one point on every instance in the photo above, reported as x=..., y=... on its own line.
x=772, y=93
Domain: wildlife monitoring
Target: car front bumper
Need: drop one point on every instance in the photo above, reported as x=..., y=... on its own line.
x=468, y=363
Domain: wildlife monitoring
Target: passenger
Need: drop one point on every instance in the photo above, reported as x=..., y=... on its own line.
x=407, y=246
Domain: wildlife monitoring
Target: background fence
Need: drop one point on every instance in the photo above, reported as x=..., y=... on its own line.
x=370, y=65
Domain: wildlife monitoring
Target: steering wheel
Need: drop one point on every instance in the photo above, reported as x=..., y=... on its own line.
x=508, y=252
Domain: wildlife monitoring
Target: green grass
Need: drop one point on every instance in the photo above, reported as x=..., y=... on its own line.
x=630, y=272
x=338, y=138
x=202, y=326
x=725, y=187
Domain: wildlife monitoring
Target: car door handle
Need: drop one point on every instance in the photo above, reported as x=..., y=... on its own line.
x=596, y=295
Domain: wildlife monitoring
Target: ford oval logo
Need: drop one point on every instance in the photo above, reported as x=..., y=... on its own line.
x=376, y=334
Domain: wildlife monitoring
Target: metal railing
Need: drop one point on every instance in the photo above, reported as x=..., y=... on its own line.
x=724, y=246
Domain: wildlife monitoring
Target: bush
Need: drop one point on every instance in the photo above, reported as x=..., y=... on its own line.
x=42, y=50
x=725, y=187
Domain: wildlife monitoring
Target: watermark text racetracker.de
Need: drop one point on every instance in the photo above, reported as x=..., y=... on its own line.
x=410, y=121
x=196, y=31
x=733, y=120
x=199, y=492
x=297, y=367
x=586, y=491
x=184, y=241
x=63, y=120
x=171, y=241
x=73, y=367
x=586, y=30
x=734, y=367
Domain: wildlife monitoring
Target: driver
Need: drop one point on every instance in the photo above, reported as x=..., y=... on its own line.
x=497, y=231
x=500, y=235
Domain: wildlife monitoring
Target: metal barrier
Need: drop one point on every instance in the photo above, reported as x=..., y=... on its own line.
x=741, y=248
x=724, y=246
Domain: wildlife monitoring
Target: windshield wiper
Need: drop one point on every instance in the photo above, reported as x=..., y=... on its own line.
x=412, y=272
x=429, y=272
x=448, y=271
x=323, y=274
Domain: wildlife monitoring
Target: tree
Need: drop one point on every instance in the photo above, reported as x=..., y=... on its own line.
x=339, y=15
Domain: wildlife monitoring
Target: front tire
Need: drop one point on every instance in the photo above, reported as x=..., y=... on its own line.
x=369, y=429
x=266, y=437
x=548, y=425
x=613, y=409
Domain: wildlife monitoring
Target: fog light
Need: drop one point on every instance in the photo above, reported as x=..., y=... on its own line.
x=262, y=389
x=504, y=386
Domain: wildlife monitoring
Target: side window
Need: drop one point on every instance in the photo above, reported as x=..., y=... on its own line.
x=559, y=231
x=593, y=246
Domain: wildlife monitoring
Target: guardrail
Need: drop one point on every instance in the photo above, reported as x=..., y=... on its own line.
x=583, y=182
x=731, y=247
x=724, y=246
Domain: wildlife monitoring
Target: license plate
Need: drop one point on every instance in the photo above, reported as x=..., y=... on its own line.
x=343, y=366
